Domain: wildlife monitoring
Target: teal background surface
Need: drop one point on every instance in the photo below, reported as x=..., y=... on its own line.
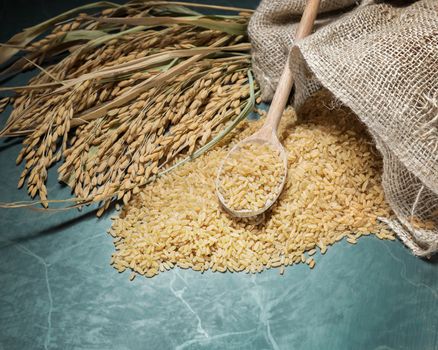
x=58, y=291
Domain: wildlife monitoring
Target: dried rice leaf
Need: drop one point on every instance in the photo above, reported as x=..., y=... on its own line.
x=209, y=22
x=206, y=6
x=76, y=35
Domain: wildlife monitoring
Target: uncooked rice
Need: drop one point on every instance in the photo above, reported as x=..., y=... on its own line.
x=333, y=190
x=251, y=176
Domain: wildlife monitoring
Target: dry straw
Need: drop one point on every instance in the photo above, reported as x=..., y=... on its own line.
x=333, y=191
x=129, y=99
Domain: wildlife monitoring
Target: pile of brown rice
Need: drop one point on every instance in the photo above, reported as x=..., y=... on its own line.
x=333, y=190
x=250, y=176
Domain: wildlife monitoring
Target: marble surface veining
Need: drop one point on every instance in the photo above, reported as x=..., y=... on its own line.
x=58, y=291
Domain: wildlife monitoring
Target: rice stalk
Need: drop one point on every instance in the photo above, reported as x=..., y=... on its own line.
x=128, y=105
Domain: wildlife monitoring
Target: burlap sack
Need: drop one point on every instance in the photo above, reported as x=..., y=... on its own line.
x=381, y=60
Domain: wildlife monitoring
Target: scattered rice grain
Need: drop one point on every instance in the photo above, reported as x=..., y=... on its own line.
x=177, y=220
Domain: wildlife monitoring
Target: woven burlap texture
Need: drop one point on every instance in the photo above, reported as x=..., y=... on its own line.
x=381, y=60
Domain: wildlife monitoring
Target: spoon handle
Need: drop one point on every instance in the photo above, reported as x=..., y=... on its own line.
x=286, y=80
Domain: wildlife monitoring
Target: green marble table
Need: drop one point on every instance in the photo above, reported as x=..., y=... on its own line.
x=58, y=291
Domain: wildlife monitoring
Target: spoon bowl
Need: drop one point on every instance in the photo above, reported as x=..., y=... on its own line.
x=260, y=137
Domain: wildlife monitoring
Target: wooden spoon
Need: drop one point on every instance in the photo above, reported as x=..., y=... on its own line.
x=268, y=132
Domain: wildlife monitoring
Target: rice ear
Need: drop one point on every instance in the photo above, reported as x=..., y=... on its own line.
x=122, y=109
